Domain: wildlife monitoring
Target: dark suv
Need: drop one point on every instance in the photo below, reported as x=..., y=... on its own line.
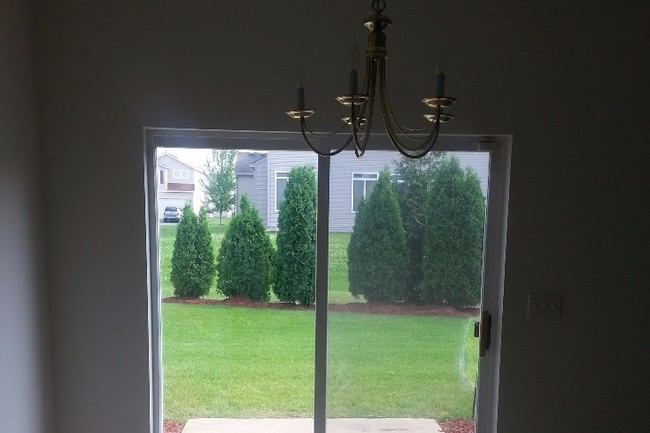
x=172, y=214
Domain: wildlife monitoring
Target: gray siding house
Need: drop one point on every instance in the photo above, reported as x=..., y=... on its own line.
x=262, y=176
x=250, y=172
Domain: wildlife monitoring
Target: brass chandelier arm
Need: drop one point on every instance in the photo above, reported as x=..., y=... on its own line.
x=418, y=152
x=315, y=147
x=361, y=143
x=322, y=134
x=423, y=147
x=354, y=131
x=387, y=108
x=357, y=122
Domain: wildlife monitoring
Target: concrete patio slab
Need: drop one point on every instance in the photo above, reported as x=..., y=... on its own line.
x=306, y=425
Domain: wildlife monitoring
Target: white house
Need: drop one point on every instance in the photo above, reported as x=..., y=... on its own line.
x=177, y=183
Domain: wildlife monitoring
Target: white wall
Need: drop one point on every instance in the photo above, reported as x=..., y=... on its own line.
x=24, y=329
x=568, y=81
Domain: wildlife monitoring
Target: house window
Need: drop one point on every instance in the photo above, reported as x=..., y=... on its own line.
x=181, y=174
x=162, y=177
x=281, y=179
x=362, y=186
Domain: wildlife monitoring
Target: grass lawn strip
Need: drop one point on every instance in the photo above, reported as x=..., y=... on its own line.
x=251, y=362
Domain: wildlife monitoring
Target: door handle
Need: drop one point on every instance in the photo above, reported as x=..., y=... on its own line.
x=482, y=330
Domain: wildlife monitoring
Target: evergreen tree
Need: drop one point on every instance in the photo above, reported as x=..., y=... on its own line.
x=193, y=258
x=455, y=214
x=205, y=252
x=245, y=257
x=377, y=250
x=412, y=183
x=219, y=183
x=295, y=264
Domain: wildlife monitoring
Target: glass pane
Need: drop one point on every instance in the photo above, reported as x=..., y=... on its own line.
x=370, y=185
x=231, y=353
x=401, y=347
x=279, y=192
x=358, y=193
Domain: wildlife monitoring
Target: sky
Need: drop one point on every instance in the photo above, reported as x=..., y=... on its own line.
x=194, y=157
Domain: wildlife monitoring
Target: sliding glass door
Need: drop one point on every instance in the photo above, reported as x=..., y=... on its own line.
x=408, y=254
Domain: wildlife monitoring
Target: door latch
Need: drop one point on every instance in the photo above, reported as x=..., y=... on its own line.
x=482, y=331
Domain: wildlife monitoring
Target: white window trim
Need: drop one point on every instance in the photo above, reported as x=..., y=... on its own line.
x=365, y=181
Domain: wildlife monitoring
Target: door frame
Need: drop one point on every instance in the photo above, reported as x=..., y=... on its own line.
x=499, y=148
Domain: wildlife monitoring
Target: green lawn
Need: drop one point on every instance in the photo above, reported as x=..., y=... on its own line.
x=236, y=362
x=338, y=292
x=239, y=362
x=338, y=260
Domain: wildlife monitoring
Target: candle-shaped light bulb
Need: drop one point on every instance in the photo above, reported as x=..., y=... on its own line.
x=354, y=81
x=440, y=84
x=300, y=92
x=354, y=64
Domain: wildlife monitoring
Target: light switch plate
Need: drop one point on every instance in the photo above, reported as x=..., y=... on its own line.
x=546, y=304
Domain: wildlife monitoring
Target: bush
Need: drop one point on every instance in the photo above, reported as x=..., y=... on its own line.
x=205, y=251
x=412, y=183
x=377, y=250
x=245, y=256
x=193, y=257
x=295, y=264
x=455, y=213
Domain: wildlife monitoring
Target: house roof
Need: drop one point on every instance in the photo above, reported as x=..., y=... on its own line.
x=245, y=160
x=177, y=159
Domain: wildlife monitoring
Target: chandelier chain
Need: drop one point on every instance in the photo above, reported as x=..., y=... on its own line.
x=379, y=6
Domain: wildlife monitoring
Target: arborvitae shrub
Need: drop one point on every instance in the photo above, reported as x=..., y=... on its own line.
x=455, y=213
x=377, y=250
x=295, y=260
x=412, y=183
x=193, y=257
x=245, y=257
x=205, y=252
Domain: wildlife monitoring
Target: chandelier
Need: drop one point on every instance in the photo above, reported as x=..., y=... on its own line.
x=410, y=142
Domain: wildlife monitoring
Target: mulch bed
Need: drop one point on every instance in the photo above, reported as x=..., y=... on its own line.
x=172, y=426
x=458, y=426
x=354, y=307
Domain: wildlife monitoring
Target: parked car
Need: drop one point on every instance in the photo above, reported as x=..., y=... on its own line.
x=172, y=214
